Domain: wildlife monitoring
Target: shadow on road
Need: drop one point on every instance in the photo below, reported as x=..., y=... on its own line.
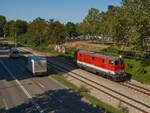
x=55, y=101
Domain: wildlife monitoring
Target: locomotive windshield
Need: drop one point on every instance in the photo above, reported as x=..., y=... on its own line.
x=116, y=62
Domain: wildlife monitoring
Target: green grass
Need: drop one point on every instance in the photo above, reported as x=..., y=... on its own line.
x=84, y=93
x=138, y=70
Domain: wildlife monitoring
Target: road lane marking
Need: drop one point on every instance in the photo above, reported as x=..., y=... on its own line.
x=41, y=85
x=21, y=86
x=5, y=103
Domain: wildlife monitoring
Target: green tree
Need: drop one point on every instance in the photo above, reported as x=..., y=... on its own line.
x=92, y=21
x=127, y=26
x=139, y=29
x=57, y=32
x=2, y=23
x=6, y=29
x=11, y=28
x=112, y=25
x=70, y=29
x=82, y=28
x=21, y=27
x=140, y=4
x=37, y=26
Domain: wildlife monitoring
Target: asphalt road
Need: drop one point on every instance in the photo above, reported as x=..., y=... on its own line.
x=22, y=93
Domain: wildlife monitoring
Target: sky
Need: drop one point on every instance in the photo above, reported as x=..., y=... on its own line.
x=62, y=10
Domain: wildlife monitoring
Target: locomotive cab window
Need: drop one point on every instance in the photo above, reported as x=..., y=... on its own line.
x=117, y=63
x=93, y=58
x=102, y=60
x=111, y=62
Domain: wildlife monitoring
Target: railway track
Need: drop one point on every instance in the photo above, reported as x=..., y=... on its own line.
x=136, y=88
x=130, y=85
x=125, y=84
x=88, y=81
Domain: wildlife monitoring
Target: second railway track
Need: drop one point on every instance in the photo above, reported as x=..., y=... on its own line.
x=60, y=68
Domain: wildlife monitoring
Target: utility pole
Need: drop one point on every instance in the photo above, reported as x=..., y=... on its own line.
x=15, y=38
x=40, y=41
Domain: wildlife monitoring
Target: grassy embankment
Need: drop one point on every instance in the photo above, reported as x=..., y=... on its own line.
x=138, y=69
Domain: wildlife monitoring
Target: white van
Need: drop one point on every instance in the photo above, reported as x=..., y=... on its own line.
x=14, y=53
x=37, y=65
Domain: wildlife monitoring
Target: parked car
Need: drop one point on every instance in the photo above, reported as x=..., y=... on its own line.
x=14, y=53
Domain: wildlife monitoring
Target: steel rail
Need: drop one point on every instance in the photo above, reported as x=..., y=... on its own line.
x=105, y=91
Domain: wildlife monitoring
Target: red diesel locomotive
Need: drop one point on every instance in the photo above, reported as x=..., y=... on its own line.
x=107, y=66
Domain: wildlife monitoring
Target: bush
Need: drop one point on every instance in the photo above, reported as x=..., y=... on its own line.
x=70, y=50
x=32, y=40
x=138, y=70
x=110, y=51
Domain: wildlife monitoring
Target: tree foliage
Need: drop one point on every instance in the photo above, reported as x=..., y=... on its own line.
x=9, y=28
x=43, y=32
x=57, y=33
x=92, y=21
x=70, y=29
x=140, y=4
x=2, y=23
x=21, y=27
x=14, y=28
x=37, y=26
x=128, y=25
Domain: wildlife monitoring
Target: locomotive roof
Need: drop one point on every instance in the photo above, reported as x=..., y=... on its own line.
x=98, y=54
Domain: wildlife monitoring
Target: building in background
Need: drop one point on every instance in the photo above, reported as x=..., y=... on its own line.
x=110, y=7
